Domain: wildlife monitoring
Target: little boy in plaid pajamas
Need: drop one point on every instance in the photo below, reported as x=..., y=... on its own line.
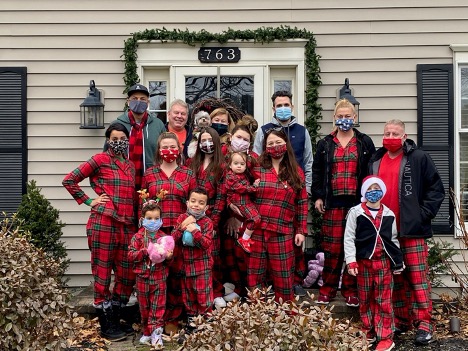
x=150, y=277
x=238, y=189
x=196, y=242
x=372, y=252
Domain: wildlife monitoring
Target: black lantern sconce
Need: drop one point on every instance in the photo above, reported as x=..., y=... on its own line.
x=345, y=93
x=92, y=109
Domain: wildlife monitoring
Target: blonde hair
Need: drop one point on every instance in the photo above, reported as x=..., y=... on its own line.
x=396, y=122
x=223, y=111
x=342, y=103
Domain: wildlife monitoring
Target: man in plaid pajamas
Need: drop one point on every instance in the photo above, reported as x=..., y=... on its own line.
x=110, y=226
x=372, y=252
x=415, y=193
x=196, y=243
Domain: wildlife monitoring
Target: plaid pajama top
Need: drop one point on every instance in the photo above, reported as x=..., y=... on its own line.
x=344, y=170
x=178, y=186
x=238, y=188
x=196, y=259
x=282, y=209
x=142, y=265
x=107, y=175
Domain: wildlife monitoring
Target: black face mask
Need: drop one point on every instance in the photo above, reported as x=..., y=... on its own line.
x=220, y=128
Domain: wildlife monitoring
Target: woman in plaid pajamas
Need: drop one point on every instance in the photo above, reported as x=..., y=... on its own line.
x=170, y=175
x=150, y=276
x=340, y=165
x=110, y=226
x=282, y=203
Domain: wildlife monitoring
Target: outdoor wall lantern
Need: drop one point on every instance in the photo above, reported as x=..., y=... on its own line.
x=345, y=93
x=92, y=109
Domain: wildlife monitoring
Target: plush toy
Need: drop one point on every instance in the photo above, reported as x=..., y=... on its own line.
x=200, y=120
x=158, y=252
x=187, y=237
x=315, y=271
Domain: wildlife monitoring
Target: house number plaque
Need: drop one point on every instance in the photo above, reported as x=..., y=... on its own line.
x=224, y=54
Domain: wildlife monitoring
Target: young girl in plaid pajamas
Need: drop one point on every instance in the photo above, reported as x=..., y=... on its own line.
x=239, y=190
x=169, y=174
x=282, y=203
x=110, y=226
x=372, y=252
x=150, y=277
x=196, y=243
x=340, y=164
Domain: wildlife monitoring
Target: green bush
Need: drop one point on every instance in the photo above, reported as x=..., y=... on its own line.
x=34, y=312
x=41, y=220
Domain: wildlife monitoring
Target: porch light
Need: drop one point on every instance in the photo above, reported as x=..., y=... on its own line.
x=92, y=109
x=345, y=93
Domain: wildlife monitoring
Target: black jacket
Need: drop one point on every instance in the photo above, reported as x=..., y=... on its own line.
x=322, y=169
x=421, y=190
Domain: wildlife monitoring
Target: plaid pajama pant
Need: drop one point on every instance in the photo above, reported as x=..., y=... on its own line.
x=217, y=274
x=152, y=301
x=234, y=263
x=299, y=268
x=334, y=222
x=274, y=253
x=375, y=282
x=412, y=292
x=197, y=294
x=108, y=241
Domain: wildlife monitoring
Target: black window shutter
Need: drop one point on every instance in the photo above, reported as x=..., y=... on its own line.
x=435, y=130
x=13, y=138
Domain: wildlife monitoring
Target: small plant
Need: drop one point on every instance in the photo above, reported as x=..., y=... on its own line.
x=41, y=220
x=440, y=252
x=34, y=313
x=260, y=324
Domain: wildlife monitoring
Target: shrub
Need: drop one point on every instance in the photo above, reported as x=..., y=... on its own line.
x=262, y=324
x=34, y=314
x=42, y=221
x=440, y=253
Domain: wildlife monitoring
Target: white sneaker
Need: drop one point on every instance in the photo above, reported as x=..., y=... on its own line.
x=228, y=288
x=133, y=300
x=219, y=302
x=145, y=340
x=156, y=337
x=230, y=297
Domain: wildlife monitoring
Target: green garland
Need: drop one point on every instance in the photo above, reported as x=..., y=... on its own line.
x=260, y=35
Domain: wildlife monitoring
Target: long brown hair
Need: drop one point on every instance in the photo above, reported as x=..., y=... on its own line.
x=215, y=165
x=288, y=168
x=157, y=156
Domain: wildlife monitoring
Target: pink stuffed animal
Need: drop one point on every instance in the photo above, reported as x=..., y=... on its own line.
x=158, y=252
x=315, y=271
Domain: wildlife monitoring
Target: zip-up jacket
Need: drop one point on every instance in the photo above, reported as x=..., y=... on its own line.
x=300, y=141
x=420, y=190
x=323, y=163
x=360, y=236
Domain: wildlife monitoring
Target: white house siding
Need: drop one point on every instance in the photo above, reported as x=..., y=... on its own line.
x=65, y=44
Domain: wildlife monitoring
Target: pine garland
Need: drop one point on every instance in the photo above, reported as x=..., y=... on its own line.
x=261, y=35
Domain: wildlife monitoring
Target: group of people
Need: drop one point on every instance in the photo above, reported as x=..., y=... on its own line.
x=237, y=214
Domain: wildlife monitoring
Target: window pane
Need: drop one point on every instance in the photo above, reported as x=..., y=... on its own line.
x=199, y=88
x=284, y=85
x=464, y=169
x=464, y=97
x=240, y=90
x=158, y=98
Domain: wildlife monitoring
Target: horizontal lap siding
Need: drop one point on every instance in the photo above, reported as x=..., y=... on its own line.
x=65, y=44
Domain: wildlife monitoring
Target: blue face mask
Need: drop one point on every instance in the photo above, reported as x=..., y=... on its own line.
x=220, y=128
x=283, y=113
x=344, y=124
x=374, y=195
x=152, y=225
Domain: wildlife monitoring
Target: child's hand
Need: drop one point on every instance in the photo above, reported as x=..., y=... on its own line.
x=191, y=227
x=353, y=269
x=256, y=182
x=187, y=221
x=169, y=254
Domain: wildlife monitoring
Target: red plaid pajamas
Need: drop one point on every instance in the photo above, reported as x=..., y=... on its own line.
x=197, y=291
x=283, y=214
x=412, y=292
x=110, y=225
x=375, y=282
x=344, y=169
x=150, y=281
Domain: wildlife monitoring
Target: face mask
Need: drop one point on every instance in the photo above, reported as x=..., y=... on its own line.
x=374, y=195
x=138, y=106
x=220, y=128
x=196, y=215
x=207, y=147
x=344, y=124
x=119, y=147
x=392, y=145
x=283, y=113
x=152, y=225
x=276, y=151
x=239, y=145
x=169, y=155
